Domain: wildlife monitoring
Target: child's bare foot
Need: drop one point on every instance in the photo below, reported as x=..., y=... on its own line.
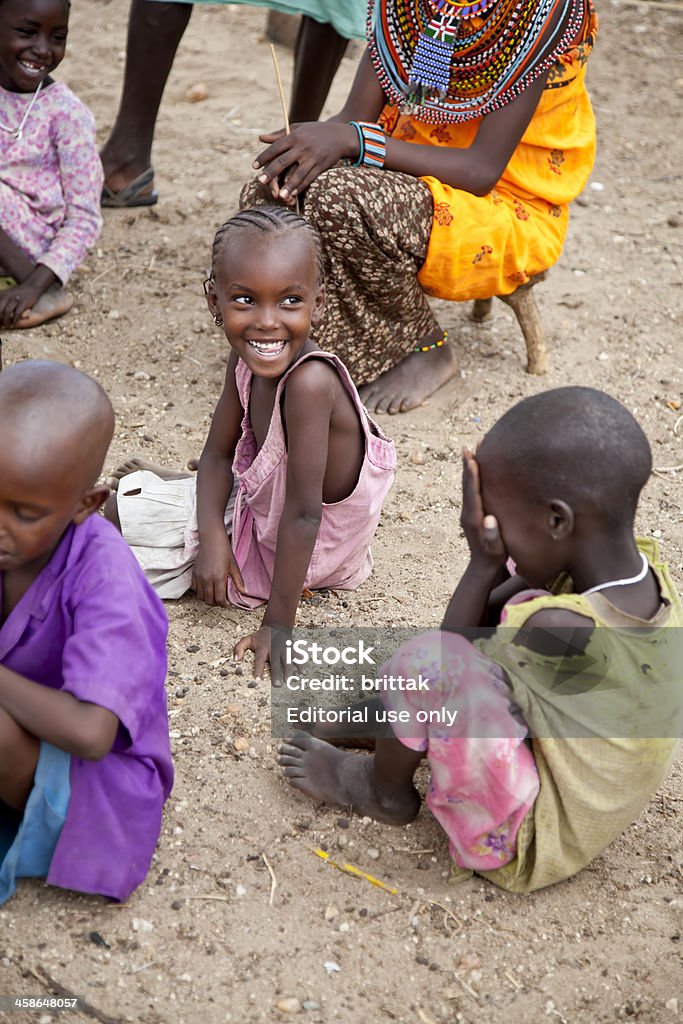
x=324, y=773
x=352, y=737
x=137, y=465
x=406, y=385
x=54, y=302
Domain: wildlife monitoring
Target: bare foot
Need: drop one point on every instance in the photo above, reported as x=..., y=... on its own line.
x=352, y=736
x=324, y=773
x=54, y=302
x=135, y=466
x=406, y=385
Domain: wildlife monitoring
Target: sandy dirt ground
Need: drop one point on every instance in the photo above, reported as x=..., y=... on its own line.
x=207, y=939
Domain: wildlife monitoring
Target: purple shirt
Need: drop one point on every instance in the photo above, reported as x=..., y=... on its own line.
x=91, y=625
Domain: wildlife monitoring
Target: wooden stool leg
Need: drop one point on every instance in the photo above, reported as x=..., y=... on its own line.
x=481, y=310
x=523, y=304
x=0, y=353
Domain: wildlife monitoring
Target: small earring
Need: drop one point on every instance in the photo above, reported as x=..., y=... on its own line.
x=218, y=320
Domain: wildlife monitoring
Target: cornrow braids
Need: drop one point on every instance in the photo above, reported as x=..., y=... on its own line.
x=276, y=219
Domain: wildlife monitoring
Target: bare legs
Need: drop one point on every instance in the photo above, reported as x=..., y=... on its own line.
x=154, y=33
x=317, y=56
x=136, y=465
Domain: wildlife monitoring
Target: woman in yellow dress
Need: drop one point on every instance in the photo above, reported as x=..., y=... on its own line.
x=469, y=131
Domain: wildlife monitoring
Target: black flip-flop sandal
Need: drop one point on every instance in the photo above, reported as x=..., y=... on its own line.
x=132, y=195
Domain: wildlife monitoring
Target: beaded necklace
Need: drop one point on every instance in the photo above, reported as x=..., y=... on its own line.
x=454, y=60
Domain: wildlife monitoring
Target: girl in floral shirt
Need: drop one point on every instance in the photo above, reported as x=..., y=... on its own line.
x=50, y=173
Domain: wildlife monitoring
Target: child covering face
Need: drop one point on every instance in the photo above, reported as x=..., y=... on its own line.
x=293, y=474
x=50, y=172
x=85, y=763
x=564, y=721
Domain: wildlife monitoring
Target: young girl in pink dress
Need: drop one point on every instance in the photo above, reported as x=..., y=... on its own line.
x=293, y=473
x=50, y=173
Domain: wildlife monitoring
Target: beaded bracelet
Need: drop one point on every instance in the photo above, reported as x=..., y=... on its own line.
x=372, y=145
x=437, y=344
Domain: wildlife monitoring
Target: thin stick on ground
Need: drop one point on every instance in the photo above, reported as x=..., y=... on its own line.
x=216, y=899
x=467, y=988
x=458, y=924
x=273, y=879
x=84, y=1007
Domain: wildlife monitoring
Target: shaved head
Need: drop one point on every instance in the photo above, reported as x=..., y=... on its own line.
x=57, y=420
x=574, y=444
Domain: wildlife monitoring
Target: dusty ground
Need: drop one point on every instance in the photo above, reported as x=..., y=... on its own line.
x=202, y=940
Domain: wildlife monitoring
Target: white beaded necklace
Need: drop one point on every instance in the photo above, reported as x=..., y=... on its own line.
x=18, y=132
x=621, y=583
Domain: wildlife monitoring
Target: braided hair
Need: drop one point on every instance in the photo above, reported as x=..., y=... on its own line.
x=270, y=219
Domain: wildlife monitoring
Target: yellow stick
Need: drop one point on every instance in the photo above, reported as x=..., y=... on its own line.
x=350, y=869
x=283, y=102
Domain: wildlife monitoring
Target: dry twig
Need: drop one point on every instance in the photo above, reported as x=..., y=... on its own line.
x=513, y=981
x=218, y=899
x=467, y=988
x=273, y=879
x=459, y=925
x=61, y=990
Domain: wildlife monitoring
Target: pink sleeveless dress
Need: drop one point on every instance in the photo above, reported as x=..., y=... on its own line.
x=341, y=557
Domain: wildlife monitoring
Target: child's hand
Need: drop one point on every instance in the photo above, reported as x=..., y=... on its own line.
x=14, y=302
x=268, y=645
x=482, y=533
x=259, y=643
x=215, y=562
x=303, y=154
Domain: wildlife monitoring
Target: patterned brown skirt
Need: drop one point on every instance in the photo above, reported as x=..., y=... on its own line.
x=375, y=228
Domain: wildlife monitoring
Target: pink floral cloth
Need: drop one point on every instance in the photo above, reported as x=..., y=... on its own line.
x=483, y=774
x=51, y=178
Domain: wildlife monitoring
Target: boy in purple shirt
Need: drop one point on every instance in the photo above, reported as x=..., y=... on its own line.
x=85, y=763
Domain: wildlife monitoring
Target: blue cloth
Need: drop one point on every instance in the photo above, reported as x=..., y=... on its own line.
x=347, y=17
x=26, y=852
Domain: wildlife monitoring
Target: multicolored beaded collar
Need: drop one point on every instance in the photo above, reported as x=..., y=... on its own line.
x=454, y=60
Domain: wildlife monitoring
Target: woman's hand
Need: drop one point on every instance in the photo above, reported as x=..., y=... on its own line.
x=482, y=533
x=292, y=161
x=215, y=562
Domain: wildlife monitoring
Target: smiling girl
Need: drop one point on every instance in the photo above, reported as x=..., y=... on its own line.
x=50, y=173
x=293, y=474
